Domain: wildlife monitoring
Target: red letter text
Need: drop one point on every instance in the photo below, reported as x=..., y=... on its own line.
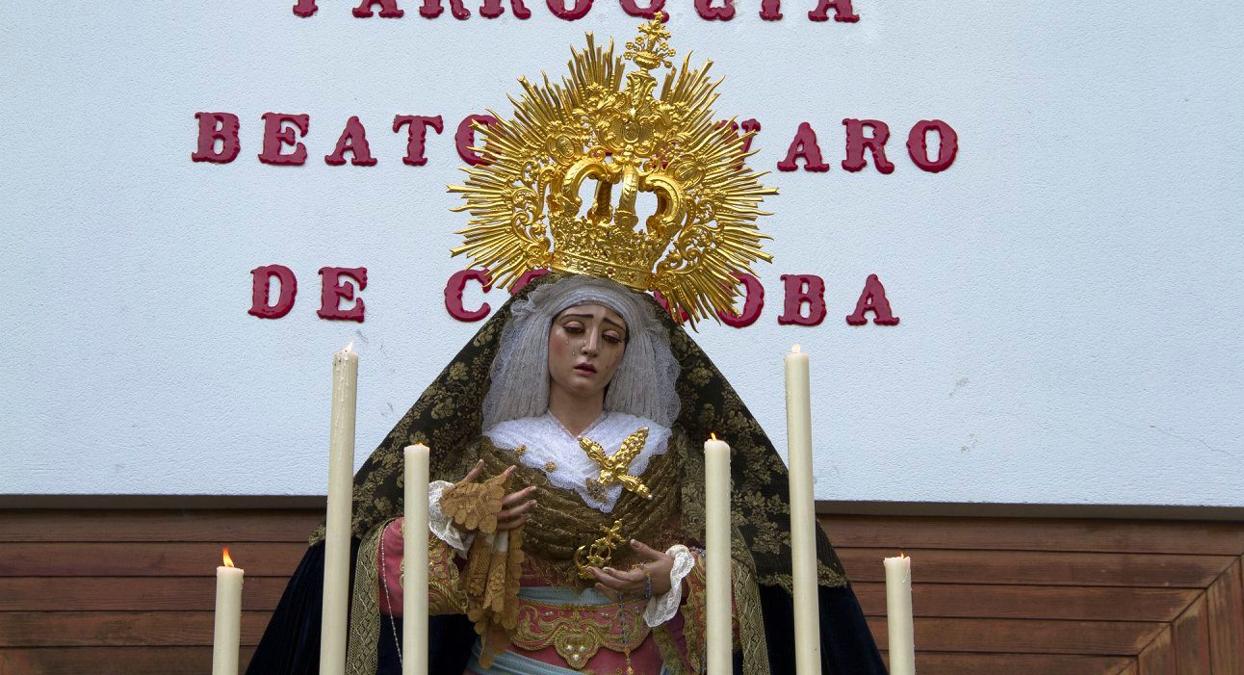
x=803, y=146
x=261, y=281
x=803, y=289
x=947, y=146
x=276, y=136
x=873, y=300
x=453, y=294
x=214, y=127
x=334, y=289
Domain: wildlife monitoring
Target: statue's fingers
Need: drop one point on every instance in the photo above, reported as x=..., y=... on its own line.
x=607, y=592
x=512, y=524
x=518, y=496
x=646, y=551
x=630, y=577
x=605, y=579
x=474, y=472
x=515, y=512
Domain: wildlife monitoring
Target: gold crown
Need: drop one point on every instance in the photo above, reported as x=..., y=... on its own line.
x=525, y=201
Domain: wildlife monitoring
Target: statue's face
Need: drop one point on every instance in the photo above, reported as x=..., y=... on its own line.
x=586, y=343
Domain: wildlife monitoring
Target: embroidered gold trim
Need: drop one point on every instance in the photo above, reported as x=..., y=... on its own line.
x=576, y=632
x=491, y=582
x=445, y=594
x=749, y=621
x=674, y=662
x=694, y=614
x=595, y=490
x=361, y=649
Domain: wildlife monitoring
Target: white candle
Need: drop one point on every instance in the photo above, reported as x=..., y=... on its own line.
x=802, y=514
x=228, y=617
x=337, y=527
x=902, y=645
x=415, y=547
x=717, y=554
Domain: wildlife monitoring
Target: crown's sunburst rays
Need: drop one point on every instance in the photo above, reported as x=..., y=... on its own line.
x=603, y=126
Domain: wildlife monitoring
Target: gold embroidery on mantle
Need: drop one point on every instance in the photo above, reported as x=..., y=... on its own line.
x=361, y=650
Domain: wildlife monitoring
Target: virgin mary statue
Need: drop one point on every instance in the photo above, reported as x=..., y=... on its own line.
x=567, y=503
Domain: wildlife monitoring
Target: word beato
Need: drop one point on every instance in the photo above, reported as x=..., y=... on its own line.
x=219, y=141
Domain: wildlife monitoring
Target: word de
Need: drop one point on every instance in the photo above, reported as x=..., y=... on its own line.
x=337, y=284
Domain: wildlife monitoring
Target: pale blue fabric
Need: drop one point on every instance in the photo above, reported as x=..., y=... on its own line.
x=563, y=595
x=509, y=663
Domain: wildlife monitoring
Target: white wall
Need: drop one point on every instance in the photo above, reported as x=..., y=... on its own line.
x=1070, y=290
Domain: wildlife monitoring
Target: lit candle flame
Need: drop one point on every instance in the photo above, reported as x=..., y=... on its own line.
x=712, y=435
x=349, y=348
x=225, y=555
x=794, y=349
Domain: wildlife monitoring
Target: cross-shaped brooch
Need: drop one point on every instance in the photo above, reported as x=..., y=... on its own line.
x=613, y=469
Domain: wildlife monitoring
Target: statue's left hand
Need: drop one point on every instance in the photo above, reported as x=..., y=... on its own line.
x=614, y=582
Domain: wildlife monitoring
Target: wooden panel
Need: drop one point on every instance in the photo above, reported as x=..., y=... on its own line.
x=993, y=595
x=119, y=629
x=1191, y=636
x=1016, y=534
x=1158, y=657
x=156, y=525
x=145, y=559
x=1225, y=604
x=1040, y=567
x=129, y=593
x=1035, y=602
x=112, y=660
x=1021, y=636
x=951, y=663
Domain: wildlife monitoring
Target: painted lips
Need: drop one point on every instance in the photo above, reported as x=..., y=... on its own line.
x=585, y=368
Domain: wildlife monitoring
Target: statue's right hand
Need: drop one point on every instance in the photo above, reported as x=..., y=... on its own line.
x=515, y=506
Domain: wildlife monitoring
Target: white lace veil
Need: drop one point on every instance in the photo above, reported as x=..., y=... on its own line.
x=643, y=384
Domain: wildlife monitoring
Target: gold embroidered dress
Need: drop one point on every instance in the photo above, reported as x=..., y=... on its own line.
x=558, y=619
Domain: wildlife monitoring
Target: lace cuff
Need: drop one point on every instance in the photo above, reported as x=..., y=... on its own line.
x=663, y=607
x=441, y=525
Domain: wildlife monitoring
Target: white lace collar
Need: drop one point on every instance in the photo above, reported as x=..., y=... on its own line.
x=553, y=450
